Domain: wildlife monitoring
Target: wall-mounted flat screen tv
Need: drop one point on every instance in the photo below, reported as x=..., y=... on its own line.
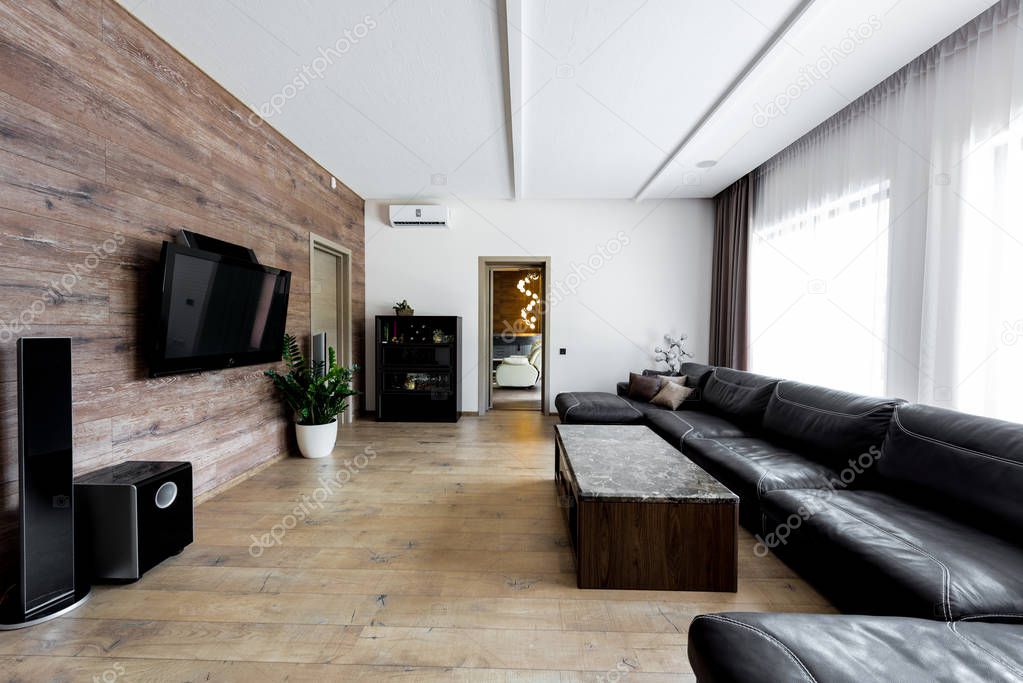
x=216, y=311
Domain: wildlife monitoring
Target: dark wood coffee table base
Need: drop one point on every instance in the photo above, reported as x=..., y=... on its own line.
x=649, y=544
x=657, y=546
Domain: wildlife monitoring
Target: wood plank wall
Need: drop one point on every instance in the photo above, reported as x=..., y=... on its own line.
x=509, y=301
x=112, y=141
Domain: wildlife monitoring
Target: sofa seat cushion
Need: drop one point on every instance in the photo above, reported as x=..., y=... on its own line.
x=877, y=554
x=751, y=467
x=594, y=407
x=760, y=465
x=777, y=648
x=678, y=426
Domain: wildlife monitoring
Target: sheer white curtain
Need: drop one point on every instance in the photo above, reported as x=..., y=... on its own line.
x=821, y=263
x=886, y=249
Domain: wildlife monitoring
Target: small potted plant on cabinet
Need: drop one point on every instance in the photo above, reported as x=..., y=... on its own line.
x=316, y=396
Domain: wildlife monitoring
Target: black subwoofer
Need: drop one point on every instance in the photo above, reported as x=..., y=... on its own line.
x=135, y=515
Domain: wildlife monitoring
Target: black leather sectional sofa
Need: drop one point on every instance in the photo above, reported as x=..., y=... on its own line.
x=907, y=515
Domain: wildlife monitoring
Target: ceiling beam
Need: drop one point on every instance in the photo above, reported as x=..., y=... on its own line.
x=776, y=39
x=514, y=70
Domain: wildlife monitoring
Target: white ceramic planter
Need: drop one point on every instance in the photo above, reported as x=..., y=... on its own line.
x=316, y=441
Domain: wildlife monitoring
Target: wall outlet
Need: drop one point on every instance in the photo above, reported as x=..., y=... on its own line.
x=562, y=351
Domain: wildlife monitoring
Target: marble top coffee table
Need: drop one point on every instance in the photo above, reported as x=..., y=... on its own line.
x=641, y=515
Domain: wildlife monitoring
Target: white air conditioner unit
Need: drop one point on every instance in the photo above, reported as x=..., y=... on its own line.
x=418, y=216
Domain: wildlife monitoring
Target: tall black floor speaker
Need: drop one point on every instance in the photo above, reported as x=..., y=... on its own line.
x=40, y=580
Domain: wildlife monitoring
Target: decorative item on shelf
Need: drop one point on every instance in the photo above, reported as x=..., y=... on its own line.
x=316, y=395
x=528, y=317
x=438, y=336
x=673, y=355
x=403, y=308
x=410, y=383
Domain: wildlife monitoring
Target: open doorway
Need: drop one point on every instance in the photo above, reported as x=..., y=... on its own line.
x=330, y=279
x=513, y=334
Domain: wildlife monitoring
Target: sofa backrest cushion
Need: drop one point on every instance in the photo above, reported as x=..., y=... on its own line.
x=964, y=464
x=829, y=426
x=742, y=396
x=697, y=374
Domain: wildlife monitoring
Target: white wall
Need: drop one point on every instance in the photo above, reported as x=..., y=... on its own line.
x=607, y=309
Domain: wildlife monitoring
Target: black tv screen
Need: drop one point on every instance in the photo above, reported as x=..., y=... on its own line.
x=217, y=312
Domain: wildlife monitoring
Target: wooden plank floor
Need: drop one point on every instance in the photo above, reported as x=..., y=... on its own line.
x=511, y=398
x=443, y=556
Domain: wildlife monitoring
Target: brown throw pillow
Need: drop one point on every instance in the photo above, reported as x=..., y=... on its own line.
x=671, y=395
x=642, y=388
x=678, y=379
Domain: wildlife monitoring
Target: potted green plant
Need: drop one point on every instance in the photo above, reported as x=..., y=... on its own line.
x=403, y=308
x=316, y=396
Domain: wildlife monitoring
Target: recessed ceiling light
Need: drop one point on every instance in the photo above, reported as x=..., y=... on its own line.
x=709, y=163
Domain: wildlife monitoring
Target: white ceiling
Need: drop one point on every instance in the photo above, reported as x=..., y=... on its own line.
x=530, y=99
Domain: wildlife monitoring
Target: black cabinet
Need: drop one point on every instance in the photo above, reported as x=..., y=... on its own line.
x=417, y=368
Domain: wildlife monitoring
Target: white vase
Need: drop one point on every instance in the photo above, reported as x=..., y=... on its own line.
x=316, y=441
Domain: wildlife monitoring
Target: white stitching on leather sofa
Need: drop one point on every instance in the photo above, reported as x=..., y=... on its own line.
x=577, y=403
x=946, y=578
x=939, y=442
x=777, y=395
x=767, y=636
x=993, y=655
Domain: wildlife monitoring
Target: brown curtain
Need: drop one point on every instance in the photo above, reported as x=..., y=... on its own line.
x=729, y=319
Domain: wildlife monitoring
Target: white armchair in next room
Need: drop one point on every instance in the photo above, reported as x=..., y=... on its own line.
x=521, y=371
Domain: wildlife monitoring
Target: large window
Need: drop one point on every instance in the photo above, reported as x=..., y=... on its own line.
x=988, y=312
x=886, y=246
x=818, y=293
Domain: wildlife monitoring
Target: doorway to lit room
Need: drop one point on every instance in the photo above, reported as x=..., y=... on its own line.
x=513, y=334
x=330, y=280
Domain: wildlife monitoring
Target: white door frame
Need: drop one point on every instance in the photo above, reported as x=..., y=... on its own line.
x=487, y=265
x=344, y=299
